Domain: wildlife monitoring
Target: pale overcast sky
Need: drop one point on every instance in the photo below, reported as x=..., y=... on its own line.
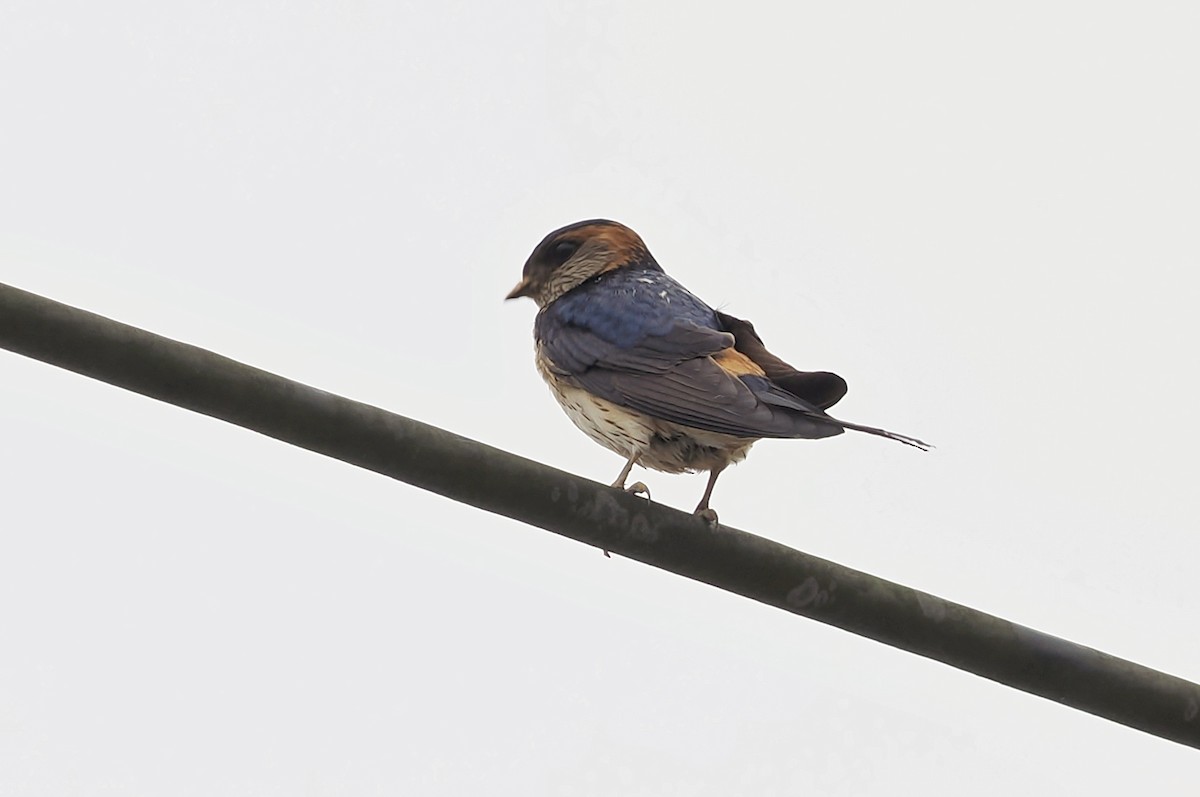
x=985, y=220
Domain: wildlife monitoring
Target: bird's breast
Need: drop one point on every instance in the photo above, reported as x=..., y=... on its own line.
x=662, y=445
x=612, y=426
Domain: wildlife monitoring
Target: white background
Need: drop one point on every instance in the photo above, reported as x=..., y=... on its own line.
x=986, y=220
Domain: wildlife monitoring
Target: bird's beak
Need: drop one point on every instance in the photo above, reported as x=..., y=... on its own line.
x=524, y=288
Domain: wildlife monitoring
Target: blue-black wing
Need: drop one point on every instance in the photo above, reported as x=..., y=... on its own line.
x=642, y=341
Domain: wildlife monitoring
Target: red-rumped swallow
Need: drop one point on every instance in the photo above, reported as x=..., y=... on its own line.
x=651, y=372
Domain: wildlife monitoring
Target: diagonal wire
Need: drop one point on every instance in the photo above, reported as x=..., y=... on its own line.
x=497, y=481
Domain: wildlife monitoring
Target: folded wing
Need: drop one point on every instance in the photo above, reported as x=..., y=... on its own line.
x=687, y=370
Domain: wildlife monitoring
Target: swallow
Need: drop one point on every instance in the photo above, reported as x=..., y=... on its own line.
x=649, y=371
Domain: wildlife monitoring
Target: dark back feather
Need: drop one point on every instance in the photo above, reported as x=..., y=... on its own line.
x=819, y=388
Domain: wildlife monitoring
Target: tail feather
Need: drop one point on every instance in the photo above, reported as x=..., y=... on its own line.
x=768, y=392
x=899, y=438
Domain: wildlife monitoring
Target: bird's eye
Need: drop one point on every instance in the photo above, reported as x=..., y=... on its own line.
x=562, y=251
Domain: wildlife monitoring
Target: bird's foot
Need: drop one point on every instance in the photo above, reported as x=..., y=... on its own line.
x=708, y=515
x=638, y=488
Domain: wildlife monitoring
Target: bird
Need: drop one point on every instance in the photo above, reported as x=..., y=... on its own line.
x=651, y=372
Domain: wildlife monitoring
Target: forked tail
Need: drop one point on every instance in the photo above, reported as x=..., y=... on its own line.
x=899, y=438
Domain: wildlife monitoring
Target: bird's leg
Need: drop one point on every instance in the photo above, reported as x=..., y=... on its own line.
x=620, y=482
x=637, y=488
x=702, y=508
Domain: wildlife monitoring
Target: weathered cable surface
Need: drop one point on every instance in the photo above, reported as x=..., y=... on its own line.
x=497, y=481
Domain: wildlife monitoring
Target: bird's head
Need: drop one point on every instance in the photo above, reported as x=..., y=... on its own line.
x=572, y=255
